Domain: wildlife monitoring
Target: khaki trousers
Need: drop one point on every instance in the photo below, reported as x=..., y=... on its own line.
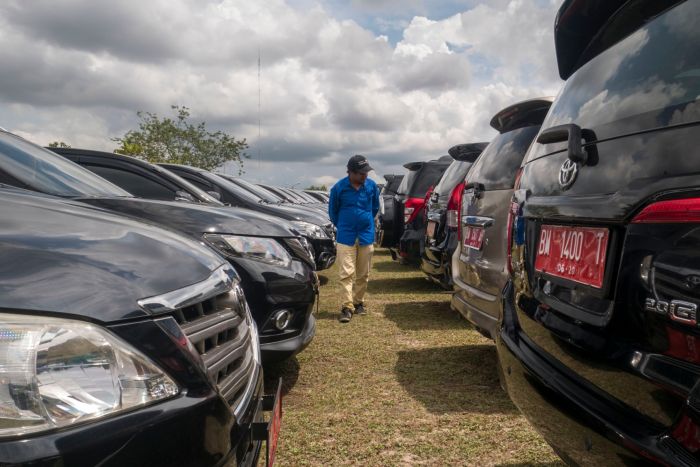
x=354, y=263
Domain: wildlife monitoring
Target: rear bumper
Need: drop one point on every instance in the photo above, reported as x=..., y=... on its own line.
x=436, y=258
x=579, y=421
x=411, y=246
x=478, y=307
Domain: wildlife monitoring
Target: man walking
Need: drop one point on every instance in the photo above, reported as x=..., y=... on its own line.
x=353, y=205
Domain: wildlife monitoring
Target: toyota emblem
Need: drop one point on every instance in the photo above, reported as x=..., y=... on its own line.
x=567, y=173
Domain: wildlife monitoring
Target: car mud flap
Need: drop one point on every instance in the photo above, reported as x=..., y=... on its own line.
x=269, y=431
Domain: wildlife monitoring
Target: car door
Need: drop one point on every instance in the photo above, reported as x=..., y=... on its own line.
x=481, y=271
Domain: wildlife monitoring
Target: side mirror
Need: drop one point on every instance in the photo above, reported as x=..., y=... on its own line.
x=181, y=195
x=215, y=195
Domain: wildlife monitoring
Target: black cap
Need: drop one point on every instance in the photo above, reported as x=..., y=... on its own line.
x=358, y=163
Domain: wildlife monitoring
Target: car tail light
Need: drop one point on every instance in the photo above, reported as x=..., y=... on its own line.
x=426, y=202
x=512, y=213
x=453, y=207
x=411, y=208
x=670, y=211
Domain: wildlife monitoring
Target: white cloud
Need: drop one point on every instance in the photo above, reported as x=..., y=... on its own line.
x=329, y=88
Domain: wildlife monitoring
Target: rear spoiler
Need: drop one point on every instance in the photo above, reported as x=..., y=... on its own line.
x=579, y=22
x=466, y=152
x=525, y=113
x=414, y=165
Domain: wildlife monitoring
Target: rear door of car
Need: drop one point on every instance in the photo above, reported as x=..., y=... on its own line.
x=608, y=269
x=485, y=202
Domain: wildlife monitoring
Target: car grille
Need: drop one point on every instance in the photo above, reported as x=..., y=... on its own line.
x=218, y=329
x=330, y=230
x=300, y=250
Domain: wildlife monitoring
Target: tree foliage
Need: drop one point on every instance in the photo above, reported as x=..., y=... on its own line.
x=58, y=144
x=317, y=188
x=178, y=141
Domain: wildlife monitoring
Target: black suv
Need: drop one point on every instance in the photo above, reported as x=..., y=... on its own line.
x=410, y=206
x=442, y=232
x=121, y=343
x=315, y=227
x=387, y=215
x=600, y=343
x=276, y=270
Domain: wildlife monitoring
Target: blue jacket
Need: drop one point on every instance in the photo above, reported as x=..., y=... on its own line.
x=352, y=211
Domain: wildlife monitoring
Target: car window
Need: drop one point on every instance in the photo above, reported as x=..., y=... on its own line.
x=406, y=181
x=650, y=79
x=428, y=176
x=135, y=183
x=187, y=186
x=38, y=169
x=452, y=177
x=497, y=166
x=232, y=188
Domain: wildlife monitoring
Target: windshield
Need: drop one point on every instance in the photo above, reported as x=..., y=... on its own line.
x=256, y=190
x=27, y=165
x=452, y=177
x=429, y=175
x=232, y=188
x=183, y=184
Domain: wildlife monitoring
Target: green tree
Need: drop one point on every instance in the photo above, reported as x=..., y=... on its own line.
x=178, y=141
x=58, y=144
x=317, y=188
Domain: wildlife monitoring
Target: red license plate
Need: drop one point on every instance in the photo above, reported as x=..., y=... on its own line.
x=431, y=229
x=574, y=253
x=275, y=424
x=473, y=237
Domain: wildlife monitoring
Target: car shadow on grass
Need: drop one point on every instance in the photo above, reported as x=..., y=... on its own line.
x=534, y=464
x=454, y=379
x=391, y=266
x=412, y=285
x=419, y=316
x=288, y=370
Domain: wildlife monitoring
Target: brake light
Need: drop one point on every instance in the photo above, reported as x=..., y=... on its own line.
x=411, y=208
x=453, y=207
x=426, y=202
x=670, y=211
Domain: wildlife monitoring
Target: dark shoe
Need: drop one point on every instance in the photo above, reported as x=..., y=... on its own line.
x=345, y=315
x=360, y=309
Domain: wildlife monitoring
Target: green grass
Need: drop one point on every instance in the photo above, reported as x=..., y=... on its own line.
x=411, y=383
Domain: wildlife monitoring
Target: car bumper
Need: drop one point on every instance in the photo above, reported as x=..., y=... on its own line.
x=582, y=425
x=436, y=258
x=270, y=289
x=190, y=429
x=282, y=349
x=411, y=246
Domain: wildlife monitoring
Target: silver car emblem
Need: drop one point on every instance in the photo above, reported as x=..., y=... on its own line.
x=567, y=173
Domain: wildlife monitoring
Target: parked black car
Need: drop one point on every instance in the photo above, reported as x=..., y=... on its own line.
x=106, y=353
x=317, y=229
x=600, y=344
x=442, y=233
x=411, y=202
x=321, y=196
x=276, y=270
x=387, y=216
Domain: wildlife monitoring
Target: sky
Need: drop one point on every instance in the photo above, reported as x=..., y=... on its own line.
x=394, y=80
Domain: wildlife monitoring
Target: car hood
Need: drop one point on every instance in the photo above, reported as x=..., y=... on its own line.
x=291, y=212
x=65, y=258
x=196, y=219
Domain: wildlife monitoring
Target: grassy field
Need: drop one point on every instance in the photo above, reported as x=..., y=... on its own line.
x=411, y=383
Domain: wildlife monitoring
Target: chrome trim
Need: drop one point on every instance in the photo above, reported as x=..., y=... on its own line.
x=471, y=290
x=477, y=220
x=220, y=281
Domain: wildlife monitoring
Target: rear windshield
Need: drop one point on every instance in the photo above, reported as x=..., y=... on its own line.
x=392, y=186
x=452, y=177
x=497, y=166
x=406, y=181
x=648, y=80
x=428, y=176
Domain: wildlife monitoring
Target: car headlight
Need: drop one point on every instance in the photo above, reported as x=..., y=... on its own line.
x=266, y=250
x=310, y=230
x=58, y=372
